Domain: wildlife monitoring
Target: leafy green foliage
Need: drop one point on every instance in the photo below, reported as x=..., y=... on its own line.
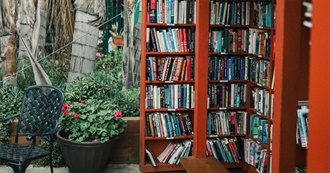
x=129, y=101
x=92, y=120
x=11, y=98
x=99, y=85
x=109, y=62
x=55, y=69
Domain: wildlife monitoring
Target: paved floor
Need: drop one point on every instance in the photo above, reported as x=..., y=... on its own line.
x=113, y=168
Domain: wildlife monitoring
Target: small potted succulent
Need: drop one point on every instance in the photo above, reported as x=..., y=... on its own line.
x=117, y=35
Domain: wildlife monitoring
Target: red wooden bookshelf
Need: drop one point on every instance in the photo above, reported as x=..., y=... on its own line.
x=301, y=74
x=318, y=154
x=201, y=82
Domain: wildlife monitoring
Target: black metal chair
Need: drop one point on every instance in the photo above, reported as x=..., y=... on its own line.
x=39, y=114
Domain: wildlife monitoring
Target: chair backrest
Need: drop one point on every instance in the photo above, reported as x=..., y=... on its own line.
x=40, y=110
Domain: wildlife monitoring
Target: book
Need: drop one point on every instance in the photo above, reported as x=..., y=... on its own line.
x=302, y=122
x=150, y=157
x=152, y=11
x=166, y=152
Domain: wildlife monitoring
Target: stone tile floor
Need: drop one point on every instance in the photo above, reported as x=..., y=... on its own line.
x=111, y=168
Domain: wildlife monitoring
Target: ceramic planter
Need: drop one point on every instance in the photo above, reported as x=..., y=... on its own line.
x=85, y=157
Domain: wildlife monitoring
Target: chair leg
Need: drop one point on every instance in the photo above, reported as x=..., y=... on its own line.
x=19, y=168
x=51, y=163
x=51, y=156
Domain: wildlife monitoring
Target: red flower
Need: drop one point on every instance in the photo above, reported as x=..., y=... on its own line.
x=83, y=101
x=65, y=106
x=76, y=115
x=117, y=113
x=66, y=112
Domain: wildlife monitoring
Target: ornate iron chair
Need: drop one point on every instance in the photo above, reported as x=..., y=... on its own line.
x=39, y=114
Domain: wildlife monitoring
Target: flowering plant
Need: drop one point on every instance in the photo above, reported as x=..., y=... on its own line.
x=91, y=120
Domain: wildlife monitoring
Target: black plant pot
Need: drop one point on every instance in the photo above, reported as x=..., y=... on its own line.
x=84, y=157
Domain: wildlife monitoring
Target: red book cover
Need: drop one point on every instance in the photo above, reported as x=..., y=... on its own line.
x=178, y=68
x=188, y=68
x=183, y=70
x=239, y=40
x=208, y=148
x=182, y=125
x=152, y=11
x=168, y=153
x=233, y=122
x=181, y=39
x=184, y=33
x=233, y=151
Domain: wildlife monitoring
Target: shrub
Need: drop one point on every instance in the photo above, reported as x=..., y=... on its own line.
x=11, y=98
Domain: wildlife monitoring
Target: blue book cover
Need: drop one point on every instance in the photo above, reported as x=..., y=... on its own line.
x=269, y=15
x=215, y=68
x=169, y=125
x=184, y=92
x=168, y=95
x=172, y=40
x=222, y=151
x=169, y=11
x=219, y=45
x=241, y=68
x=209, y=123
x=151, y=68
x=178, y=126
x=163, y=32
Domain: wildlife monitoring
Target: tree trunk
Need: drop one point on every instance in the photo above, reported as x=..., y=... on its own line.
x=33, y=22
x=32, y=33
x=8, y=12
x=85, y=37
x=130, y=62
x=9, y=61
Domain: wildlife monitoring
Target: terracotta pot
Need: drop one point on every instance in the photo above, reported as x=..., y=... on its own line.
x=85, y=157
x=119, y=41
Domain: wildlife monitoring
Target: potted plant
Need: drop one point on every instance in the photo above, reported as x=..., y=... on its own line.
x=88, y=130
x=91, y=118
x=117, y=35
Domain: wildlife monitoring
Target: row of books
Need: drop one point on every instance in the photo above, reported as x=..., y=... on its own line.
x=171, y=96
x=259, y=42
x=231, y=40
x=255, y=155
x=225, y=149
x=262, y=14
x=226, y=95
x=240, y=68
x=302, y=123
x=259, y=128
x=171, y=11
x=174, y=151
x=226, y=122
x=168, y=124
x=228, y=40
x=260, y=100
x=229, y=13
x=170, y=39
x=170, y=68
